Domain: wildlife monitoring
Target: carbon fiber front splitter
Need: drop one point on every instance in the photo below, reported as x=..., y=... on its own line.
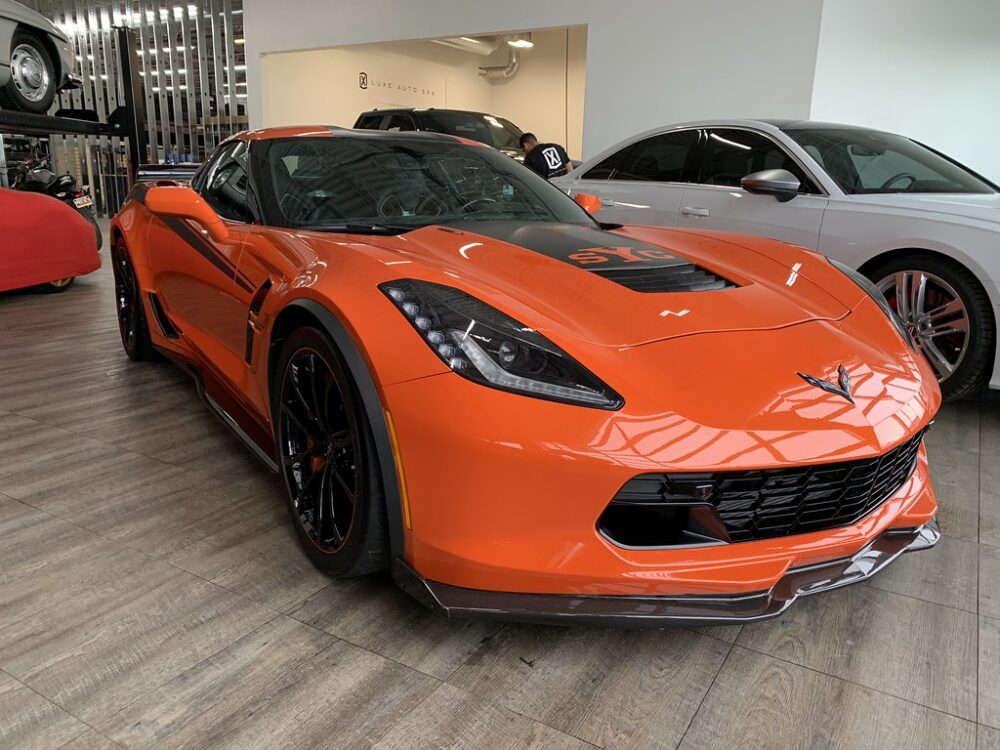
x=667, y=611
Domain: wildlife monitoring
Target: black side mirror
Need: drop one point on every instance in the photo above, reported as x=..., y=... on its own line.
x=780, y=183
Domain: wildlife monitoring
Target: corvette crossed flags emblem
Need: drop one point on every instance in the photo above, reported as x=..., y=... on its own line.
x=842, y=387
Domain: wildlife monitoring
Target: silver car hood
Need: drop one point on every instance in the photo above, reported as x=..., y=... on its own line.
x=25, y=15
x=981, y=206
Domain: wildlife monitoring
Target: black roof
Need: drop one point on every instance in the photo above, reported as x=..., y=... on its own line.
x=390, y=110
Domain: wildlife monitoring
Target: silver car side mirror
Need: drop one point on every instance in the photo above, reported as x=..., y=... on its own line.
x=780, y=183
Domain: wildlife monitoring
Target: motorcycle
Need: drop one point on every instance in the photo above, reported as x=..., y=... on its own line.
x=35, y=175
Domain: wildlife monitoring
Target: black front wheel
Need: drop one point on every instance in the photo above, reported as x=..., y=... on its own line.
x=131, y=316
x=328, y=459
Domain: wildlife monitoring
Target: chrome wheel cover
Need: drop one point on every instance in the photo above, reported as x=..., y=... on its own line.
x=934, y=314
x=29, y=73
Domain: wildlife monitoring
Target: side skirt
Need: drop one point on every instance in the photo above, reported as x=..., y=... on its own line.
x=240, y=422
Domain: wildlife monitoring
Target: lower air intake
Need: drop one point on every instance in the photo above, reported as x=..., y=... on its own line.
x=664, y=510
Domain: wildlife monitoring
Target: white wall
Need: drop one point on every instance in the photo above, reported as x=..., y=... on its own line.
x=924, y=68
x=546, y=95
x=649, y=62
x=322, y=86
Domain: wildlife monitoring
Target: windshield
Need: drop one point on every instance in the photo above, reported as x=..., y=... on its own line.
x=867, y=161
x=350, y=184
x=493, y=131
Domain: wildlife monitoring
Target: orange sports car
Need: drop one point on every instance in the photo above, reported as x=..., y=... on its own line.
x=523, y=413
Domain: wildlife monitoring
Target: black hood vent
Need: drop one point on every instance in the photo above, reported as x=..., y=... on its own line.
x=686, y=278
x=636, y=265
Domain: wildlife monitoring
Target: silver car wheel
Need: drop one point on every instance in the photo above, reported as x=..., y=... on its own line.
x=29, y=73
x=934, y=314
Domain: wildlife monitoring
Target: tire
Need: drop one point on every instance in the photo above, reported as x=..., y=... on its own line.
x=33, y=79
x=971, y=369
x=327, y=456
x=88, y=214
x=56, y=287
x=131, y=313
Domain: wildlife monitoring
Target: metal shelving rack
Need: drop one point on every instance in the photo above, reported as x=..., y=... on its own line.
x=126, y=121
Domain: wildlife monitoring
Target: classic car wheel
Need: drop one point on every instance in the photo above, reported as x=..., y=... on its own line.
x=947, y=313
x=33, y=81
x=131, y=316
x=59, y=285
x=328, y=459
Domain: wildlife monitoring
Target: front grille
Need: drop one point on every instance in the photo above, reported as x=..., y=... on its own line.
x=686, y=277
x=765, y=503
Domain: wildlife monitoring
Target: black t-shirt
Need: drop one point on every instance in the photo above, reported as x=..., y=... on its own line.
x=547, y=159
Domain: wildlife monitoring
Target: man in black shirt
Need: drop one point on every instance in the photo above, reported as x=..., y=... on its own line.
x=547, y=159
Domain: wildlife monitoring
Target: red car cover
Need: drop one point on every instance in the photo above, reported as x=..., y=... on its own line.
x=41, y=240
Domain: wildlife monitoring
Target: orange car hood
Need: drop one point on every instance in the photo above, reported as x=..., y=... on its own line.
x=563, y=278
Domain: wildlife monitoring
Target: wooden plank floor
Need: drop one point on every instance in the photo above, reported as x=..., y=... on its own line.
x=152, y=595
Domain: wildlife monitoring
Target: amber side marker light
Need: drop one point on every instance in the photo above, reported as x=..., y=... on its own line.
x=403, y=495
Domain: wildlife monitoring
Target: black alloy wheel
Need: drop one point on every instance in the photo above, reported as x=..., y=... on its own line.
x=327, y=459
x=128, y=303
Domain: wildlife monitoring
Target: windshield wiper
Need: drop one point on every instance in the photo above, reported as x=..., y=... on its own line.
x=387, y=229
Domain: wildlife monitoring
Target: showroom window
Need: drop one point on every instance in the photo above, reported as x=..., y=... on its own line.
x=730, y=155
x=661, y=158
x=225, y=188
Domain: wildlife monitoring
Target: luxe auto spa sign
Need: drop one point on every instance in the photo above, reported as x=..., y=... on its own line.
x=364, y=82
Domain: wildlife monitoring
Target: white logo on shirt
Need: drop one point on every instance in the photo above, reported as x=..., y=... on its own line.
x=552, y=159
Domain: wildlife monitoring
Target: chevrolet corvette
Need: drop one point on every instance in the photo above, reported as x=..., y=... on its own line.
x=523, y=413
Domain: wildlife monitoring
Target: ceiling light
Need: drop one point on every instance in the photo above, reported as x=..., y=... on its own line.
x=239, y=41
x=521, y=43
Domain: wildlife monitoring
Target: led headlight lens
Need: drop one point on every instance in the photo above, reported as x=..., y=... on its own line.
x=865, y=283
x=488, y=347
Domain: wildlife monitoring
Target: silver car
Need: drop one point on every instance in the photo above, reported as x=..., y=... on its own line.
x=922, y=227
x=36, y=59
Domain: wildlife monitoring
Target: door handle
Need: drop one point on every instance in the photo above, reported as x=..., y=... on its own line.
x=693, y=211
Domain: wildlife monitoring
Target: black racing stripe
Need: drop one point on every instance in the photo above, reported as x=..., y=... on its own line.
x=587, y=247
x=635, y=264
x=203, y=248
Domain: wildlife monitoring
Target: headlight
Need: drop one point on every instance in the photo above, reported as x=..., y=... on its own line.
x=865, y=283
x=482, y=344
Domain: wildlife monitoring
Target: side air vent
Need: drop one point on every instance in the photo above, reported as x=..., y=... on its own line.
x=256, y=304
x=162, y=321
x=686, y=277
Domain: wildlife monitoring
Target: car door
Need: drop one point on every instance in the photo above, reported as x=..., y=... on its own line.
x=194, y=275
x=715, y=199
x=644, y=182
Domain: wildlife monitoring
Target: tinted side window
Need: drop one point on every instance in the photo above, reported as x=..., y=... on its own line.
x=400, y=122
x=605, y=168
x=658, y=159
x=225, y=185
x=730, y=155
x=369, y=122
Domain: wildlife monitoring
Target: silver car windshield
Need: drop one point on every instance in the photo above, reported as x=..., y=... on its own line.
x=869, y=161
